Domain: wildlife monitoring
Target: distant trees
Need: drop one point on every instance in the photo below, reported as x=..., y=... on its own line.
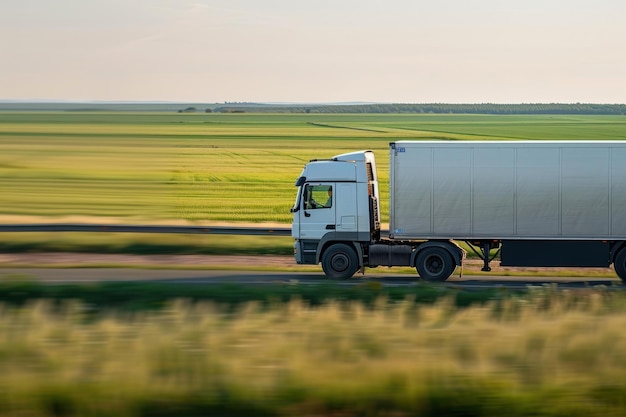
x=194, y=110
x=436, y=108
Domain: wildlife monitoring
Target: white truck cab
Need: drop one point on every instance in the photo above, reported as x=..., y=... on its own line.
x=335, y=204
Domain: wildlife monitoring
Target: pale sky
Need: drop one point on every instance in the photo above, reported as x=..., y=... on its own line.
x=409, y=51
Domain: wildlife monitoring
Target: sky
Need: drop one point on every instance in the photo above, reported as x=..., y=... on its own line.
x=400, y=51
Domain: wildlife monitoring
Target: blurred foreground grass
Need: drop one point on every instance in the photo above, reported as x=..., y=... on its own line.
x=546, y=354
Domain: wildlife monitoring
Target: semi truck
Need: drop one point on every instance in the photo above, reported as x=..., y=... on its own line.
x=533, y=203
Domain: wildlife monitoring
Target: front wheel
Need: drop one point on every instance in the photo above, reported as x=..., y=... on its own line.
x=620, y=264
x=434, y=264
x=340, y=261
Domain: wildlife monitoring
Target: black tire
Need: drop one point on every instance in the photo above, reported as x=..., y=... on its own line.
x=434, y=264
x=620, y=264
x=340, y=261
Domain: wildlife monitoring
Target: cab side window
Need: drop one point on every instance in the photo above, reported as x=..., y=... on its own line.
x=318, y=196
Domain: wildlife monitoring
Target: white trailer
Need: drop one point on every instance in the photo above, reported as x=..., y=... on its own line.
x=541, y=203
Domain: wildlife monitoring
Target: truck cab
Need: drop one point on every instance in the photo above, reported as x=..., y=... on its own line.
x=336, y=212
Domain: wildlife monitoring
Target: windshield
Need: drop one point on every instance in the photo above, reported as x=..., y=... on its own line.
x=296, y=204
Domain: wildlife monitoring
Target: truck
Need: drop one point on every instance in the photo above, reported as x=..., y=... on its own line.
x=533, y=203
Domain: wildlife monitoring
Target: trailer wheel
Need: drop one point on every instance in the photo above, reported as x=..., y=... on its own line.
x=620, y=264
x=340, y=261
x=434, y=264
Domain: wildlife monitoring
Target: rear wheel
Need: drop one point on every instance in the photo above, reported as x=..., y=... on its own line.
x=620, y=264
x=340, y=261
x=434, y=264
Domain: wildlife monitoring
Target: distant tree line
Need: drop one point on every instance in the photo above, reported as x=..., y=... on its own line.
x=435, y=108
x=194, y=110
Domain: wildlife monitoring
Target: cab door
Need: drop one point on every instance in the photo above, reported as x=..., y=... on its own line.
x=317, y=212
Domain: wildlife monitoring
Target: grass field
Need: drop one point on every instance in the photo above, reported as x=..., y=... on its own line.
x=208, y=168
x=547, y=354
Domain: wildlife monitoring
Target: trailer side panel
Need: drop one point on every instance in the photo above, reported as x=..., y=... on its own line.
x=508, y=190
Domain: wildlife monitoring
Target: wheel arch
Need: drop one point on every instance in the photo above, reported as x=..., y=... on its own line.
x=618, y=259
x=327, y=243
x=457, y=253
x=617, y=248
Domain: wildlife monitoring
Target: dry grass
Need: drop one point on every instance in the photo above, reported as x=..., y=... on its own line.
x=553, y=353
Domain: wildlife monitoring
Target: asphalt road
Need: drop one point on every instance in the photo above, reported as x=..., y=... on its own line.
x=85, y=275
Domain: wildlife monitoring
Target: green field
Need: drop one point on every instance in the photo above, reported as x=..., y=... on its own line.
x=208, y=168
